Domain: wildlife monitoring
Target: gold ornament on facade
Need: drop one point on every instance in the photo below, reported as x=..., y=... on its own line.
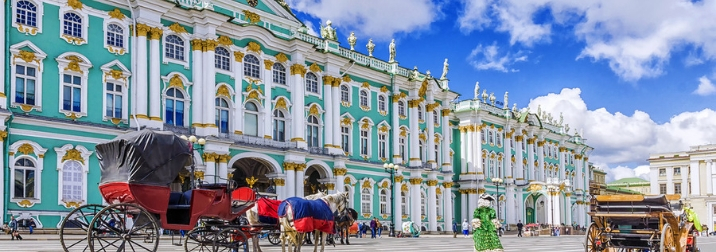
x=26, y=56
x=365, y=84
x=365, y=124
x=298, y=69
x=176, y=82
x=328, y=80
x=238, y=56
x=346, y=78
x=384, y=184
x=75, y=4
x=26, y=30
x=416, y=181
x=480, y=191
x=404, y=188
x=253, y=95
x=268, y=64
x=384, y=89
x=314, y=110
x=281, y=103
x=281, y=57
x=314, y=68
x=224, y=40
x=176, y=28
x=398, y=179
x=223, y=91
x=254, y=47
x=567, y=194
x=155, y=33
x=142, y=29
x=197, y=44
x=3, y=135
x=72, y=204
x=74, y=64
x=534, y=188
x=115, y=74
x=346, y=121
x=199, y=175
x=430, y=107
x=423, y=88
x=403, y=132
x=279, y=182
x=25, y=203
x=438, y=191
x=116, y=14
x=448, y=185
x=26, y=149
x=432, y=183
x=347, y=181
x=330, y=186
x=251, y=181
x=340, y=171
x=209, y=45
x=383, y=128
x=251, y=17
x=73, y=154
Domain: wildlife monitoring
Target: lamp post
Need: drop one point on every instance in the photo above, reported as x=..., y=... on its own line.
x=391, y=168
x=497, y=182
x=200, y=148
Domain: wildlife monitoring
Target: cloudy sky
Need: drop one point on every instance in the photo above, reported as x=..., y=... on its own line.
x=636, y=76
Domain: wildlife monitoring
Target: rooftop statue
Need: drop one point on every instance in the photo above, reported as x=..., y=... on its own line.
x=415, y=75
x=370, y=46
x=352, y=40
x=392, y=51
x=477, y=90
x=514, y=107
x=484, y=95
x=328, y=32
x=492, y=99
x=445, y=70
x=561, y=118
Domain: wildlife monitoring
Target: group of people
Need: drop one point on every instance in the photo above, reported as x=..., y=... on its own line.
x=375, y=227
x=11, y=228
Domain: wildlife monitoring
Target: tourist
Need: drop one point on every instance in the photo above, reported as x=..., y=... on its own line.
x=465, y=228
x=454, y=229
x=373, y=226
x=519, y=228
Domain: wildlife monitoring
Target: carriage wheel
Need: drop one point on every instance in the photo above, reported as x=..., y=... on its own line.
x=123, y=227
x=231, y=240
x=77, y=223
x=592, y=237
x=274, y=237
x=200, y=239
x=667, y=238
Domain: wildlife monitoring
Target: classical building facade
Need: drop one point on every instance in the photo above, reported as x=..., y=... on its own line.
x=690, y=174
x=283, y=111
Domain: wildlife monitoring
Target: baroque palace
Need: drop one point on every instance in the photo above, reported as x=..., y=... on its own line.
x=282, y=111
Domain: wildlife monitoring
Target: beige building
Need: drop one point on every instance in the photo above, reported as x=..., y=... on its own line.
x=690, y=174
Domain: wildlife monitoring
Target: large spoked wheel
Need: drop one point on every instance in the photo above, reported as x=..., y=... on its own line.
x=274, y=237
x=73, y=229
x=667, y=239
x=200, y=239
x=592, y=238
x=231, y=240
x=123, y=227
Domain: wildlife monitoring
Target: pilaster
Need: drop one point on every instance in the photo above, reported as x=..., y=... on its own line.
x=508, y=153
x=448, y=203
x=300, y=177
x=510, y=204
x=414, y=134
x=268, y=104
x=237, y=123
x=197, y=88
x=477, y=128
x=540, y=160
x=447, y=140
x=531, y=176
x=395, y=125
x=519, y=165
x=4, y=61
x=223, y=174
x=209, y=94
x=141, y=74
x=397, y=197
x=415, y=181
x=431, y=199
x=155, y=96
x=210, y=159
x=329, y=121
x=298, y=72
x=336, y=111
x=562, y=158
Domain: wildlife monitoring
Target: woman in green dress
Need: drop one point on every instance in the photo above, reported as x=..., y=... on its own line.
x=485, y=224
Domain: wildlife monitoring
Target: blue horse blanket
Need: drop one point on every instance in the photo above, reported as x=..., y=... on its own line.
x=308, y=215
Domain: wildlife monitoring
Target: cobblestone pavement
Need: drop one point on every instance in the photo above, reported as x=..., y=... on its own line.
x=50, y=243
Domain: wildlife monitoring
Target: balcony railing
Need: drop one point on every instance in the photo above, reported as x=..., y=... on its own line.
x=196, y=4
x=259, y=141
x=318, y=150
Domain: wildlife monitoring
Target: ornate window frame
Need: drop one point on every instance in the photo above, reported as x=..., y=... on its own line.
x=259, y=116
x=366, y=124
x=275, y=71
x=367, y=184
x=85, y=25
x=282, y=104
x=319, y=88
x=385, y=202
x=34, y=58
x=34, y=152
x=181, y=83
x=125, y=35
x=244, y=64
x=39, y=6
x=75, y=64
x=68, y=153
x=118, y=76
x=227, y=72
x=368, y=95
x=168, y=31
x=384, y=102
x=347, y=121
x=349, y=91
x=402, y=113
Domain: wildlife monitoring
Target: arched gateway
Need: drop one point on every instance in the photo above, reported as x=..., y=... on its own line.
x=254, y=170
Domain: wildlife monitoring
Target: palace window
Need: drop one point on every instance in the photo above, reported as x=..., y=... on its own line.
x=252, y=67
x=364, y=142
x=363, y=98
x=677, y=188
x=404, y=203
x=382, y=146
x=384, y=202
x=500, y=139
x=662, y=188
x=381, y=103
x=72, y=181
x=26, y=13
x=72, y=25
x=279, y=74
x=311, y=83
x=401, y=108
x=279, y=126
x=677, y=171
x=483, y=135
x=345, y=138
x=345, y=94
x=421, y=149
x=222, y=115
x=25, y=78
x=365, y=200
x=251, y=119
x=437, y=154
x=312, y=133
x=113, y=100
x=174, y=47
x=420, y=112
x=401, y=147
x=490, y=138
x=436, y=119
x=222, y=59
x=24, y=184
x=71, y=93
x=484, y=161
x=422, y=204
x=662, y=172
x=115, y=35
x=174, y=107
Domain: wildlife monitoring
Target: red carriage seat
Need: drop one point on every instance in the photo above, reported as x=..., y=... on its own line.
x=243, y=195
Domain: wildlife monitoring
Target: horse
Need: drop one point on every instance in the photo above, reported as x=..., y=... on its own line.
x=270, y=205
x=344, y=221
x=300, y=216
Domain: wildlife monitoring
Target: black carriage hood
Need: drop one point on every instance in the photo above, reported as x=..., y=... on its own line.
x=143, y=157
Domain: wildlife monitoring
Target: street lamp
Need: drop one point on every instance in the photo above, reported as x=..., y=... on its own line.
x=391, y=168
x=200, y=148
x=497, y=182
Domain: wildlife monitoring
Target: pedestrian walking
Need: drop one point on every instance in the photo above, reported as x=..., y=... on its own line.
x=13, y=229
x=360, y=230
x=465, y=228
x=454, y=229
x=519, y=228
x=373, y=226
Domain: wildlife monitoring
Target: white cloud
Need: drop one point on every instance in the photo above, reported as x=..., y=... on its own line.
x=618, y=138
x=636, y=38
x=376, y=19
x=705, y=87
x=490, y=58
x=311, y=28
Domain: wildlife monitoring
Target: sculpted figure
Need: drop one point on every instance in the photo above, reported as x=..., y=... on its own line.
x=328, y=32
x=477, y=90
x=392, y=51
x=352, y=40
x=370, y=46
x=445, y=70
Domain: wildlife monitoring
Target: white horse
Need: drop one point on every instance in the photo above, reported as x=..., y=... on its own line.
x=290, y=235
x=253, y=217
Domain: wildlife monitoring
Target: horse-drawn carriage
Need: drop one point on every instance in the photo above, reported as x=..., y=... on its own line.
x=640, y=223
x=136, y=171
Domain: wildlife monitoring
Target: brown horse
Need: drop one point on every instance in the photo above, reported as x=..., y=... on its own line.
x=344, y=221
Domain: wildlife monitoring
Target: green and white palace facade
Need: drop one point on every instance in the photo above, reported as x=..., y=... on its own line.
x=283, y=111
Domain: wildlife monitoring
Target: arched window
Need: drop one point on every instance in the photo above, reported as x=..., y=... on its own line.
x=279, y=126
x=174, y=47
x=113, y=106
x=383, y=145
x=401, y=147
x=72, y=181
x=490, y=138
x=404, y=203
x=345, y=138
x=365, y=206
x=222, y=59
x=381, y=103
x=422, y=155
x=422, y=204
x=174, y=108
x=499, y=139
x=437, y=154
x=345, y=94
x=436, y=119
x=26, y=13
x=384, y=202
x=222, y=115
x=483, y=134
x=420, y=113
x=312, y=127
x=279, y=74
x=401, y=108
x=311, y=83
x=252, y=67
x=500, y=164
x=115, y=35
x=72, y=25
x=364, y=143
x=363, y=98
x=251, y=119
x=24, y=178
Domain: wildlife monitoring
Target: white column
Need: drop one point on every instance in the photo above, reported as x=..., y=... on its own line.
x=508, y=154
x=395, y=127
x=336, y=104
x=398, y=214
x=155, y=96
x=510, y=204
x=653, y=179
x=463, y=206
x=280, y=188
x=268, y=104
x=556, y=208
x=432, y=200
x=540, y=161
x=209, y=94
x=430, y=143
x=328, y=122
x=340, y=179
x=669, y=180
x=531, y=176
x=198, y=85
x=463, y=149
x=300, y=176
x=568, y=208
x=470, y=150
x=237, y=123
x=478, y=147
x=578, y=166
x=520, y=205
x=447, y=205
x=141, y=71
x=298, y=109
x=415, y=182
x=2, y=157
x=695, y=177
x=290, y=188
x=3, y=97
x=414, y=135
x=519, y=166
x=472, y=202
x=447, y=161
x=210, y=172
x=562, y=153
x=223, y=174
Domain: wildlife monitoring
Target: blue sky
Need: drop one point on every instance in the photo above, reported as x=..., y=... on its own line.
x=636, y=77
